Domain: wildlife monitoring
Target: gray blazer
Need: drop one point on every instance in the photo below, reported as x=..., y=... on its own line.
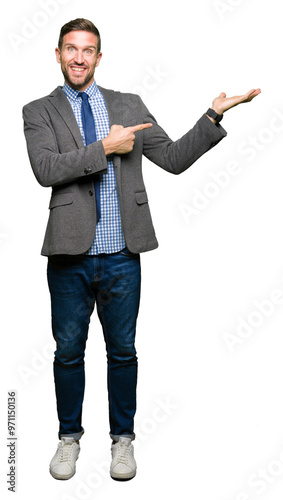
x=60, y=160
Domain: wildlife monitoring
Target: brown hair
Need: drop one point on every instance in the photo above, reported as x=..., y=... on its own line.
x=79, y=24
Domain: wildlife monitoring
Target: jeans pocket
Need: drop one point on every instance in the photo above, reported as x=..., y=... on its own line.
x=127, y=253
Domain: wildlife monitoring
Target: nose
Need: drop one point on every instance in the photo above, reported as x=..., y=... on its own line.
x=79, y=58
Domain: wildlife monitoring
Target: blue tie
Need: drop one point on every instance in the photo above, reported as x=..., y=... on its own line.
x=90, y=137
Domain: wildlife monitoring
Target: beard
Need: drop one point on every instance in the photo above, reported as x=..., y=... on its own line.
x=73, y=83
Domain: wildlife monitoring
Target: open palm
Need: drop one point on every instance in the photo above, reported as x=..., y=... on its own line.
x=222, y=103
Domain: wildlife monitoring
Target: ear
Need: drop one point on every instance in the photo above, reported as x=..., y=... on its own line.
x=98, y=59
x=58, y=56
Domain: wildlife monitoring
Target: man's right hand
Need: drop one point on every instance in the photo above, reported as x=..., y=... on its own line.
x=120, y=140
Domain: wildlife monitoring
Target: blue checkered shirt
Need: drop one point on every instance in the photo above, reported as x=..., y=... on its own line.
x=109, y=236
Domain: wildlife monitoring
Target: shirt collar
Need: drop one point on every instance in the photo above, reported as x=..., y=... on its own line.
x=73, y=93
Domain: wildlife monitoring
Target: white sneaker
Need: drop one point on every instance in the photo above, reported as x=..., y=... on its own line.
x=123, y=465
x=63, y=464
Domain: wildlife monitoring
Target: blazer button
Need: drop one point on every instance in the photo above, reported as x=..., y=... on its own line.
x=87, y=170
x=90, y=193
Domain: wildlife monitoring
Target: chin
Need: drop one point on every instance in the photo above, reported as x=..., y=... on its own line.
x=78, y=84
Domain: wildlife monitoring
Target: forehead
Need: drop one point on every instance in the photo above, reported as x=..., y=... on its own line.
x=80, y=39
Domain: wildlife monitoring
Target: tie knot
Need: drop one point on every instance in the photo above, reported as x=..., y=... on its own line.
x=83, y=95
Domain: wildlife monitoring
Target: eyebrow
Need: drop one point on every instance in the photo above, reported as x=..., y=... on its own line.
x=74, y=45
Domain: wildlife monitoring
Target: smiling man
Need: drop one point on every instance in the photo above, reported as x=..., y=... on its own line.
x=86, y=143
x=79, y=57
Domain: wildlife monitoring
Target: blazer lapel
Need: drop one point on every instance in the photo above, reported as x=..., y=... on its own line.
x=113, y=101
x=58, y=99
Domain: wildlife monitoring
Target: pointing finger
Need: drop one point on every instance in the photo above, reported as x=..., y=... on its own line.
x=141, y=126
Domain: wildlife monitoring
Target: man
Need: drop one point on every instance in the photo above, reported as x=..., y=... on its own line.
x=86, y=143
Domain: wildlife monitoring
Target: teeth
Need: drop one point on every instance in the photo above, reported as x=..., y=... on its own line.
x=78, y=69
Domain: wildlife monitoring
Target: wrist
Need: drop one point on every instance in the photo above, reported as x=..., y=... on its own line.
x=107, y=146
x=214, y=115
x=217, y=110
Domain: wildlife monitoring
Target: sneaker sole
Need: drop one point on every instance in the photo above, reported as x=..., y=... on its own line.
x=58, y=476
x=122, y=477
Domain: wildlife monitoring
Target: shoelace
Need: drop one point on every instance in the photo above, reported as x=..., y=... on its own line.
x=123, y=453
x=65, y=452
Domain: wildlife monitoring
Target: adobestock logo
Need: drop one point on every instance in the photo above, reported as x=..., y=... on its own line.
x=249, y=149
x=266, y=476
x=263, y=479
x=201, y=198
x=83, y=487
x=151, y=81
x=246, y=326
x=224, y=6
x=31, y=27
x=264, y=137
x=40, y=360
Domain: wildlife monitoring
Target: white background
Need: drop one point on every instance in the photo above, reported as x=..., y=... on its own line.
x=210, y=411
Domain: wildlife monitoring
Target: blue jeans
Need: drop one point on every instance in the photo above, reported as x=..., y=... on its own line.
x=76, y=284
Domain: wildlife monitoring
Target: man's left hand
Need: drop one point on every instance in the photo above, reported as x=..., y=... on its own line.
x=222, y=103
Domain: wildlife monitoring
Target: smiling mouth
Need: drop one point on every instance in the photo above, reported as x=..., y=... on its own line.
x=77, y=69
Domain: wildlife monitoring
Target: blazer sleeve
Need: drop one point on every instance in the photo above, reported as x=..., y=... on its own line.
x=54, y=155
x=177, y=156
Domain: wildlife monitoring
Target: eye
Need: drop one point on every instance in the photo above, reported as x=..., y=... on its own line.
x=88, y=52
x=71, y=49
